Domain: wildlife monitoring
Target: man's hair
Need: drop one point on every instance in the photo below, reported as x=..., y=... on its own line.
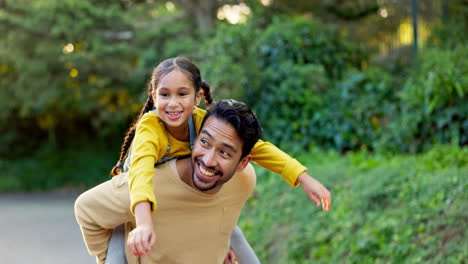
x=241, y=117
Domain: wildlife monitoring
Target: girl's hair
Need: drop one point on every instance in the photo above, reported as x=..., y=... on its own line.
x=182, y=64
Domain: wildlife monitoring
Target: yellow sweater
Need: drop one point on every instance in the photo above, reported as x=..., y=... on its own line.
x=191, y=226
x=150, y=145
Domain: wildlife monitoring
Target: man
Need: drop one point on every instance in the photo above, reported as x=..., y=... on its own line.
x=200, y=197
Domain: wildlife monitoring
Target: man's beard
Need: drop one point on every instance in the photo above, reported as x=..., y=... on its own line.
x=193, y=177
x=203, y=189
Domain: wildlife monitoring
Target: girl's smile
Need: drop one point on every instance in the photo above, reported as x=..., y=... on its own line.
x=174, y=115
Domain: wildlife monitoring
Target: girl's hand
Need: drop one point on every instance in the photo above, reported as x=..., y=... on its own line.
x=315, y=190
x=230, y=257
x=141, y=240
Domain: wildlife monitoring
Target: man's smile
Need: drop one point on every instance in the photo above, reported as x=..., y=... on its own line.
x=206, y=174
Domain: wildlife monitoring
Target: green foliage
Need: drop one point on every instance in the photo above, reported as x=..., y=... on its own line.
x=234, y=73
x=64, y=70
x=399, y=209
x=282, y=74
x=78, y=167
x=305, y=41
x=451, y=32
x=355, y=111
x=433, y=102
x=299, y=60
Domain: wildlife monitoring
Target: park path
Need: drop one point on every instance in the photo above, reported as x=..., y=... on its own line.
x=40, y=229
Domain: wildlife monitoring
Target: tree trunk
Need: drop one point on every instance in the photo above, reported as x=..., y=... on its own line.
x=204, y=12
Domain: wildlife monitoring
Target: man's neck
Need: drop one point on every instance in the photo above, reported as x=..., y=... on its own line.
x=185, y=171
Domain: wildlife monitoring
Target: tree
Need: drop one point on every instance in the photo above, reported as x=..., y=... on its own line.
x=65, y=68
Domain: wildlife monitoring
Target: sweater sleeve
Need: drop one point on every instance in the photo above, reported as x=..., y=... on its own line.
x=273, y=159
x=147, y=149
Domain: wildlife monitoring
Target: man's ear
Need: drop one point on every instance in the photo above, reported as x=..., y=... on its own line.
x=198, y=96
x=243, y=162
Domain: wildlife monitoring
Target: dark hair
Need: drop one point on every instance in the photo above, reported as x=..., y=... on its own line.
x=182, y=64
x=241, y=117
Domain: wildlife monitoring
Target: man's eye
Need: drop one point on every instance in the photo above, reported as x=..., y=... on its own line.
x=225, y=154
x=204, y=142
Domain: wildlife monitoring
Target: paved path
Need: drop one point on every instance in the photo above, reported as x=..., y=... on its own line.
x=40, y=229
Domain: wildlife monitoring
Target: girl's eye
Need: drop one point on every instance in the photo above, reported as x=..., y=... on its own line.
x=163, y=94
x=183, y=94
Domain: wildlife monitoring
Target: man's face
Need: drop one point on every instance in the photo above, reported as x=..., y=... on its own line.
x=216, y=155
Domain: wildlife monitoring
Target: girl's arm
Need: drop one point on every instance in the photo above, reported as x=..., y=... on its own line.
x=315, y=190
x=149, y=140
x=148, y=147
x=141, y=240
x=273, y=159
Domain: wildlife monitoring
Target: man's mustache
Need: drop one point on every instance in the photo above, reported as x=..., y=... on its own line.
x=216, y=171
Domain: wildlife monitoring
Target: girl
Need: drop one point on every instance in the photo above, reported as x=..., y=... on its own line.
x=174, y=90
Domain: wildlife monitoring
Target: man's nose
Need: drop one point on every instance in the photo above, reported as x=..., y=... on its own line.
x=209, y=159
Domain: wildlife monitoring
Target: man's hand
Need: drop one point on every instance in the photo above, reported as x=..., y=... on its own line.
x=315, y=190
x=141, y=240
x=230, y=257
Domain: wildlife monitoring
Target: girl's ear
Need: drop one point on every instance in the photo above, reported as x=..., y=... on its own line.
x=198, y=96
x=153, y=94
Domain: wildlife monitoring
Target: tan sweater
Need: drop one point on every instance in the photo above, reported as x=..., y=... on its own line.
x=191, y=226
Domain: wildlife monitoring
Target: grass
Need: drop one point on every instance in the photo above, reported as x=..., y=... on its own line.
x=386, y=209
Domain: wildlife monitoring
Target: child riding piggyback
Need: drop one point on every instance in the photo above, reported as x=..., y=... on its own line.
x=163, y=131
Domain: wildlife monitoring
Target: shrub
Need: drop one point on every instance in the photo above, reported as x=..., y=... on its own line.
x=299, y=60
x=355, y=111
x=385, y=209
x=228, y=63
x=433, y=103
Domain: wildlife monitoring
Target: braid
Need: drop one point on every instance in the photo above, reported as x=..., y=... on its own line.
x=206, y=93
x=130, y=135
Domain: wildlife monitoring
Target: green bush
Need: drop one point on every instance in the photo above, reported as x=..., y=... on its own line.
x=299, y=60
x=81, y=166
x=231, y=74
x=283, y=74
x=433, y=103
x=355, y=111
x=399, y=209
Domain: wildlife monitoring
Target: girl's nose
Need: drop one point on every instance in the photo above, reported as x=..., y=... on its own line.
x=173, y=101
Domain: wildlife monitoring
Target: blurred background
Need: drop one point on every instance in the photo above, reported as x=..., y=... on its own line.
x=371, y=95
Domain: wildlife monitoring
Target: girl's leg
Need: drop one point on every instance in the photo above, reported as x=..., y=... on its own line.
x=242, y=248
x=101, y=209
x=116, y=251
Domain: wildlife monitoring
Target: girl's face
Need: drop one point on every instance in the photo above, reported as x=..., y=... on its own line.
x=175, y=98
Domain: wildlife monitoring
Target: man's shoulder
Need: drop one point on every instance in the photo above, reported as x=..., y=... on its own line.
x=247, y=178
